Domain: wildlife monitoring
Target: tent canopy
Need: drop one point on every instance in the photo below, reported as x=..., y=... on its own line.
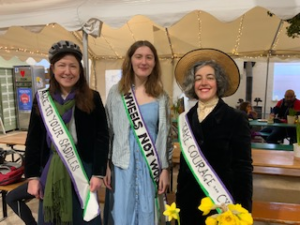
x=241, y=28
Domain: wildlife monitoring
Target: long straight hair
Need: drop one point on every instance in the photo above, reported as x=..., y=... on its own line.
x=154, y=86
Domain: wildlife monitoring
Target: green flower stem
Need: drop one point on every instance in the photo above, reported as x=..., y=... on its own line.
x=178, y=220
x=298, y=131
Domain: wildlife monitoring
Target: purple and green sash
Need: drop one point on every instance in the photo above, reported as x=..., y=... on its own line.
x=66, y=149
x=144, y=141
x=204, y=174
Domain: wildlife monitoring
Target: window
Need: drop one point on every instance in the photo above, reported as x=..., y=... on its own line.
x=286, y=76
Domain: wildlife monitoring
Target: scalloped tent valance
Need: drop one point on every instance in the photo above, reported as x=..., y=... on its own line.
x=252, y=35
x=73, y=14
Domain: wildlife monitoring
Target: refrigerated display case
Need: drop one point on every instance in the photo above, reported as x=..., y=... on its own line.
x=7, y=100
x=27, y=80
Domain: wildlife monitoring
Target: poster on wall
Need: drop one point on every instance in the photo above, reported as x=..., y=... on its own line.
x=111, y=77
x=24, y=99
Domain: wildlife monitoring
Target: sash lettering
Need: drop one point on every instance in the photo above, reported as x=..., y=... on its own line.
x=144, y=140
x=66, y=149
x=208, y=180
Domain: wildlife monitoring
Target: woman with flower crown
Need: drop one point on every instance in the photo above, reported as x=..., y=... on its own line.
x=215, y=138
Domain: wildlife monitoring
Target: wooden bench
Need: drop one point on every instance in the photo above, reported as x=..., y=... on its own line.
x=272, y=212
x=269, y=146
x=276, y=212
x=4, y=190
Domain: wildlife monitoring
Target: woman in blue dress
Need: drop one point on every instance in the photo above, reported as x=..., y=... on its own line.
x=131, y=199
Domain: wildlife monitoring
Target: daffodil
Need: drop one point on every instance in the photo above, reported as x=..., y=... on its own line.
x=246, y=217
x=206, y=205
x=172, y=212
x=237, y=208
x=227, y=218
x=211, y=221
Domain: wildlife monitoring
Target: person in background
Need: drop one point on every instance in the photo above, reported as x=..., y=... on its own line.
x=247, y=108
x=67, y=142
x=16, y=199
x=210, y=138
x=137, y=101
x=280, y=111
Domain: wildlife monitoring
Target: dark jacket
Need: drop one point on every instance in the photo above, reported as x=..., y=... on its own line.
x=224, y=138
x=92, y=140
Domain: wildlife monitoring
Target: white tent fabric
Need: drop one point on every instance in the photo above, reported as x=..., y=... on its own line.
x=73, y=14
x=241, y=28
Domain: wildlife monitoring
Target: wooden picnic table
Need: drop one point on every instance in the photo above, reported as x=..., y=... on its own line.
x=17, y=138
x=12, y=139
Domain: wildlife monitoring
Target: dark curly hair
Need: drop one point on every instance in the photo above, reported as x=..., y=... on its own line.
x=221, y=78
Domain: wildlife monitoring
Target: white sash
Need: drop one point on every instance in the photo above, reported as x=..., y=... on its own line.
x=207, y=178
x=144, y=140
x=142, y=136
x=65, y=147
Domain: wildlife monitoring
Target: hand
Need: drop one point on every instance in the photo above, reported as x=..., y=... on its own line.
x=163, y=181
x=107, y=178
x=95, y=183
x=35, y=188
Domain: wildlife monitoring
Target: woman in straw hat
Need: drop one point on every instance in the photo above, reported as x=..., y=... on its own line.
x=222, y=157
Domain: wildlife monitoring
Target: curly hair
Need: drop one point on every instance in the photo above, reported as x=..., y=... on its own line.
x=153, y=85
x=221, y=78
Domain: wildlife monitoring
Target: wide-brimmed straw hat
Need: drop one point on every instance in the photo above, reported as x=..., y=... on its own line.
x=205, y=54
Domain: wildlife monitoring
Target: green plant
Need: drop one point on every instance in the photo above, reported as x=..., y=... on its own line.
x=293, y=30
x=292, y=112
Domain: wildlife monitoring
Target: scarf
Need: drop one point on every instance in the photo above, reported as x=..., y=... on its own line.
x=205, y=108
x=57, y=202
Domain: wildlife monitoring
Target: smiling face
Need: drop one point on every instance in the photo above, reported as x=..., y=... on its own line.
x=66, y=72
x=205, y=83
x=143, y=62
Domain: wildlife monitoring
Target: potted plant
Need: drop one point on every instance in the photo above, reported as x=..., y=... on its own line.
x=291, y=116
x=297, y=144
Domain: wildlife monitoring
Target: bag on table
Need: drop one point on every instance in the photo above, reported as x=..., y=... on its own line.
x=11, y=172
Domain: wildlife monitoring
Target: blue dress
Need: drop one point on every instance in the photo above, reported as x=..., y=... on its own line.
x=133, y=196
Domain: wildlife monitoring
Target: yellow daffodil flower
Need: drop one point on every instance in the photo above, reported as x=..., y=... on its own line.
x=246, y=217
x=228, y=218
x=172, y=212
x=206, y=205
x=237, y=208
x=211, y=221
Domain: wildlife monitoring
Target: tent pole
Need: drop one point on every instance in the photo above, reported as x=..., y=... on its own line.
x=85, y=56
x=266, y=88
x=268, y=63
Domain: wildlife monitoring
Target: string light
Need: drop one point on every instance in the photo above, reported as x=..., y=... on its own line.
x=23, y=50
x=274, y=46
x=238, y=39
x=199, y=29
x=170, y=43
x=132, y=35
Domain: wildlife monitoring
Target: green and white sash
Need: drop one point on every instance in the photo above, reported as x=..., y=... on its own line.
x=204, y=174
x=66, y=149
x=144, y=141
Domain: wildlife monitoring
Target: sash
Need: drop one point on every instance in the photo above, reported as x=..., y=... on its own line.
x=204, y=174
x=144, y=141
x=65, y=147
